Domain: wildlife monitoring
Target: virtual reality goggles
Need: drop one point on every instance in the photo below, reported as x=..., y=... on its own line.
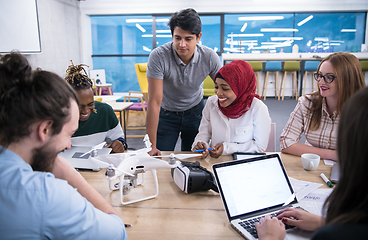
x=190, y=177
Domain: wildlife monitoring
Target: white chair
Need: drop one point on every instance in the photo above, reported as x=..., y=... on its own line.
x=272, y=140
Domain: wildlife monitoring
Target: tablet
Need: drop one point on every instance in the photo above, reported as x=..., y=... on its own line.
x=245, y=155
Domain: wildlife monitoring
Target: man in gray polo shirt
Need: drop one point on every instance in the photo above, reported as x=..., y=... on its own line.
x=175, y=73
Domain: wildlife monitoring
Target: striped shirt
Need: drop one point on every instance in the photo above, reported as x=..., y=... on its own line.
x=324, y=137
x=98, y=127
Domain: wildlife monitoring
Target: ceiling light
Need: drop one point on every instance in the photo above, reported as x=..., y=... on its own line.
x=279, y=30
x=146, y=49
x=305, y=20
x=348, y=30
x=321, y=39
x=140, y=27
x=157, y=36
x=246, y=35
x=256, y=18
x=140, y=20
x=244, y=27
x=163, y=31
x=131, y=20
x=285, y=38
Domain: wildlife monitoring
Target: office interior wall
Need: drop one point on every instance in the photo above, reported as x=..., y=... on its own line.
x=60, y=35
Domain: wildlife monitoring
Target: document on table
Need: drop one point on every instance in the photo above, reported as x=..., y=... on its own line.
x=314, y=201
x=303, y=188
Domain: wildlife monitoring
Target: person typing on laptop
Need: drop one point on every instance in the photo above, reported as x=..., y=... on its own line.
x=97, y=121
x=42, y=196
x=346, y=212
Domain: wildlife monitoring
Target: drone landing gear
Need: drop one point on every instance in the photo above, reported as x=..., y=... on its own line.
x=126, y=186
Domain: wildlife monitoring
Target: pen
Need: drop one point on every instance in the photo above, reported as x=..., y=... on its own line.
x=326, y=180
x=202, y=150
x=127, y=225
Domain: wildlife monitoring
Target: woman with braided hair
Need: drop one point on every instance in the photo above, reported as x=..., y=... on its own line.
x=97, y=120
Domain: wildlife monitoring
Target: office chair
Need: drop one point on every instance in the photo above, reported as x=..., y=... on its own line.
x=141, y=69
x=208, y=87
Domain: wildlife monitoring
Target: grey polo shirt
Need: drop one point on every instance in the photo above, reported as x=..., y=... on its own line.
x=182, y=83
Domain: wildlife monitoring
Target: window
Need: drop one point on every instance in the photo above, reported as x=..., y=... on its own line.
x=120, y=41
x=312, y=32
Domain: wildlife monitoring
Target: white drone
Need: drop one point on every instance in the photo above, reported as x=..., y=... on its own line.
x=135, y=163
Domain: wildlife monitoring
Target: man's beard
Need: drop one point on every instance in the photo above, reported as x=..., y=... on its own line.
x=43, y=158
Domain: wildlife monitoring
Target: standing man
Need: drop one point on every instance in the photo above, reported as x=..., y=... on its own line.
x=175, y=73
x=42, y=196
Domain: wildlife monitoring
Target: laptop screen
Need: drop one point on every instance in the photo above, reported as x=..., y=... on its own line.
x=251, y=185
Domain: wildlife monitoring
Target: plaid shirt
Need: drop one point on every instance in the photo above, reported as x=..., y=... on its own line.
x=325, y=136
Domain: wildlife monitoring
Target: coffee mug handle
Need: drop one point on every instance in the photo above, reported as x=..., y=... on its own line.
x=311, y=165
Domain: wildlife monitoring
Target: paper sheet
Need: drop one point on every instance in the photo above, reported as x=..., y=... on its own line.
x=314, y=201
x=303, y=188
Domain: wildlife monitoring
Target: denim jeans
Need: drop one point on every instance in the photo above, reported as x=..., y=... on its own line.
x=172, y=123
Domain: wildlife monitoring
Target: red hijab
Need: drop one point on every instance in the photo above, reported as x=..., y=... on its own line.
x=242, y=80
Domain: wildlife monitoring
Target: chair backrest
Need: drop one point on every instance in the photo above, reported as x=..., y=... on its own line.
x=273, y=66
x=291, y=66
x=256, y=65
x=272, y=140
x=311, y=66
x=141, y=69
x=208, y=87
x=364, y=65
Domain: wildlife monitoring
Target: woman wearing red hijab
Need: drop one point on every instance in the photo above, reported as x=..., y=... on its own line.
x=235, y=119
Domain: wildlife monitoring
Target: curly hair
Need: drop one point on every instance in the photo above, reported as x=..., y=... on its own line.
x=77, y=77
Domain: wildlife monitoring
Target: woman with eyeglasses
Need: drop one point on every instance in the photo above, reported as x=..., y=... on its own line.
x=317, y=115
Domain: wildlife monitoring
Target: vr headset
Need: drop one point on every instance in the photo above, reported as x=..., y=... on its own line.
x=190, y=177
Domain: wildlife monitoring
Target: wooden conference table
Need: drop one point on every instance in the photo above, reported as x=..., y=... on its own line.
x=174, y=214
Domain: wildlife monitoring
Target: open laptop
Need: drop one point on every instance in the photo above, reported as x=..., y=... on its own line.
x=252, y=188
x=76, y=158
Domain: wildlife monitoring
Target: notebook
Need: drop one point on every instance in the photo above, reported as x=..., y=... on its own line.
x=251, y=188
x=74, y=155
x=245, y=155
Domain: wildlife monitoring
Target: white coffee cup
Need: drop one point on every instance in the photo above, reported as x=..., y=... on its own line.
x=310, y=161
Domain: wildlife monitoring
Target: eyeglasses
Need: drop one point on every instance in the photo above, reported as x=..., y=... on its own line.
x=328, y=78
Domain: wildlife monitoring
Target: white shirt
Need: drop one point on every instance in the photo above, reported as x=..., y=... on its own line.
x=248, y=133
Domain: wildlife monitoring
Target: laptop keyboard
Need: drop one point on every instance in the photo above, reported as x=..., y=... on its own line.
x=250, y=227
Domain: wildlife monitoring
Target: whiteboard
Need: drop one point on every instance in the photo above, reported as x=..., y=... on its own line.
x=19, y=28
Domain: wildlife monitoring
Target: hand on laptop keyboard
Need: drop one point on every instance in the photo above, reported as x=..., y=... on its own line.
x=271, y=228
x=300, y=218
x=249, y=224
